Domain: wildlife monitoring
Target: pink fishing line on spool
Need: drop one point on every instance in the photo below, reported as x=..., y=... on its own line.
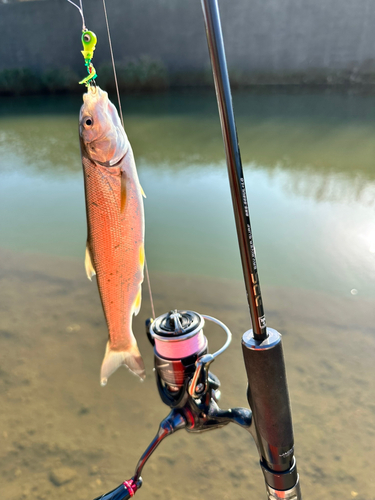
x=175, y=348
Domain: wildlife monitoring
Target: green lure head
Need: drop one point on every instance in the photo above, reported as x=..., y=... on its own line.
x=89, y=43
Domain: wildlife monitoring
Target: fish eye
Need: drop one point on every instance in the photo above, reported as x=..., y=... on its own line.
x=88, y=122
x=86, y=37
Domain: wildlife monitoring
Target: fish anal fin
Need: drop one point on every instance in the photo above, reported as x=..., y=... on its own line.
x=130, y=357
x=123, y=191
x=89, y=266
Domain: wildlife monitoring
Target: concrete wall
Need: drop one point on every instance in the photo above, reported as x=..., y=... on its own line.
x=260, y=35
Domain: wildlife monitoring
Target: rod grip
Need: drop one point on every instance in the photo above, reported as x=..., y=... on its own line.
x=269, y=399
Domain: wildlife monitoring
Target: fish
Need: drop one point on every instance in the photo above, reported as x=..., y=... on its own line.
x=115, y=227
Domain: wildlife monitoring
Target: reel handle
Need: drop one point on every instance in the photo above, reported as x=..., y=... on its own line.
x=126, y=490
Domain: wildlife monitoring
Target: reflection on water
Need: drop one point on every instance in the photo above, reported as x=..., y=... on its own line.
x=308, y=161
x=329, y=133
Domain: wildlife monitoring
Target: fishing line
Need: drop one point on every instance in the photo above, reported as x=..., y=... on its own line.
x=81, y=12
x=149, y=289
x=113, y=62
x=122, y=121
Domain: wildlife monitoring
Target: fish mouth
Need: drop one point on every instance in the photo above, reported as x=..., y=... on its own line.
x=95, y=92
x=92, y=99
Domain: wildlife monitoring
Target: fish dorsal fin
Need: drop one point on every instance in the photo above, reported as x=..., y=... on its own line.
x=89, y=266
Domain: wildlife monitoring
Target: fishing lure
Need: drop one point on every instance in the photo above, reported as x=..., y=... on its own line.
x=89, y=40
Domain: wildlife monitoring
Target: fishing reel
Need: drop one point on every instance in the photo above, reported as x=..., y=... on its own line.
x=182, y=368
x=185, y=384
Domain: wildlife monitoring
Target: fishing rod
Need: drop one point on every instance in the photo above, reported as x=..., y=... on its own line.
x=262, y=347
x=181, y=356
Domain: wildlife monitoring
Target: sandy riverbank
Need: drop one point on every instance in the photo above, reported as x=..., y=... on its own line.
x=63, y=436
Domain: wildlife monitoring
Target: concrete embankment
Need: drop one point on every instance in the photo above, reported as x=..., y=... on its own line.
x=267, y=42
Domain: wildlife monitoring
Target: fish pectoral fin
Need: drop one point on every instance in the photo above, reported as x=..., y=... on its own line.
x=89, y=266
x=137, y=302
x=131, y=358
x=123, y=191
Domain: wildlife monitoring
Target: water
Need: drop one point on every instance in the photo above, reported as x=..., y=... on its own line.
x=308, y=162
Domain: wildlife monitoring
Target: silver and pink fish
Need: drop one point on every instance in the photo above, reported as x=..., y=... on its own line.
x=115, y=221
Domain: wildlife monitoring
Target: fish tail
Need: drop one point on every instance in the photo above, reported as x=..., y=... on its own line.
x=131, y=357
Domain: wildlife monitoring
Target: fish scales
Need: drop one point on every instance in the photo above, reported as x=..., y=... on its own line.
x=112, y=236
x=115, y=220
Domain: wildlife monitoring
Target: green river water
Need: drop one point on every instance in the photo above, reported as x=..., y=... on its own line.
x=310, y=177
x=308, y=160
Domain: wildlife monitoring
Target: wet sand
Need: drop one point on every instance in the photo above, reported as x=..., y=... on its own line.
x=63, y=436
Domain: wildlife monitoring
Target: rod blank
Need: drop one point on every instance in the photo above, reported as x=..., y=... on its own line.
x=234, y=164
